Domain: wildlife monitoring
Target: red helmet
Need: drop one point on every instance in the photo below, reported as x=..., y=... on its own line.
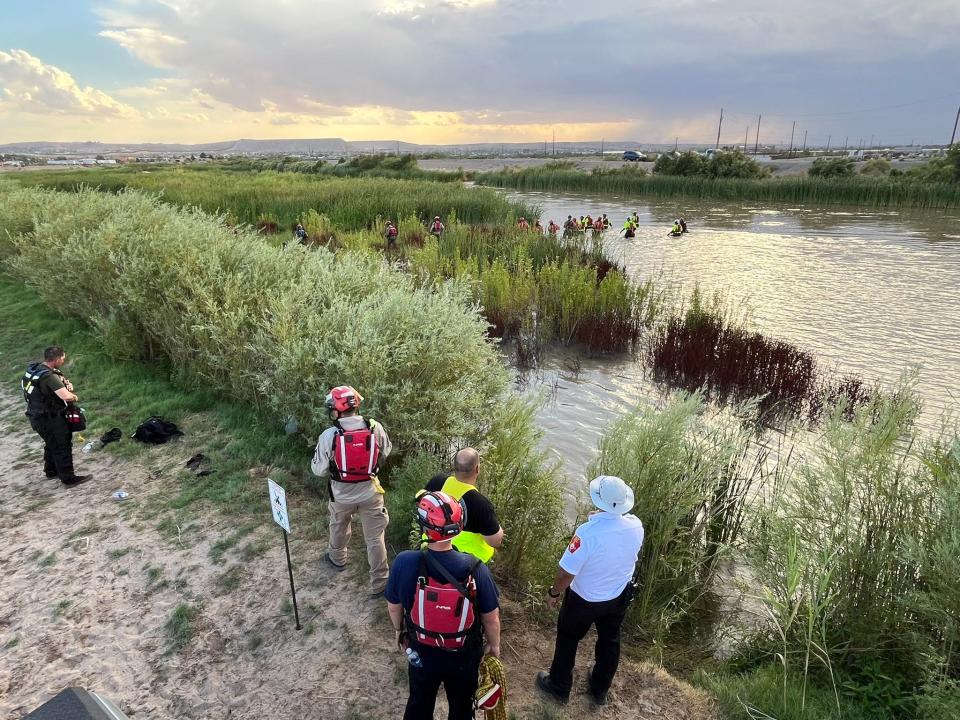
x=343, y=399
x=440, y=516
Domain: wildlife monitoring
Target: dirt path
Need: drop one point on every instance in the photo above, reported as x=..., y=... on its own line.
x=91, y=587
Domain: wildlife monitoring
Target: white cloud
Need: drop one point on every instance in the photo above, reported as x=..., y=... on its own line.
x=31, y=86
x=150, y=45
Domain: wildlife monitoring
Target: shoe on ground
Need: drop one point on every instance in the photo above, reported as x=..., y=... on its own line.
x=76, y=480
x=52, y=476
x=599, y=698
x=335, y=566
x=545, y=684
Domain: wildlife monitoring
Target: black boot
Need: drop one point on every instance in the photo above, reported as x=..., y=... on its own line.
x=599, y=698
x=545, y=684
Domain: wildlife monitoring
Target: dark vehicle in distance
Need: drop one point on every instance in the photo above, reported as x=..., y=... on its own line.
x=633, y=156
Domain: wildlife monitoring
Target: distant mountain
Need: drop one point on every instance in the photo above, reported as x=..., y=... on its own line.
x=318, y=146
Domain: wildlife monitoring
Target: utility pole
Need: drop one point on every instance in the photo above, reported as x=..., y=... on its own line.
x=829, y=138
x=757, y=143
x=953, y=135
x=792, y=130
x=717, y=147
x=676, y=143
x=846, y=143
x=804, y=141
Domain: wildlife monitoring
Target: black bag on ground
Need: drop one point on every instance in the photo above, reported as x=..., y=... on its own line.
x=156, y=431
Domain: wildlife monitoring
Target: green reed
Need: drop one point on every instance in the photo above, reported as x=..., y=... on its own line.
x=283, y=199
x=869, y=192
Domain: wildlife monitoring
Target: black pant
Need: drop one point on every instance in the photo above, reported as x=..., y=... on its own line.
x=57, y=444
x=457, y=672
x=576, y=617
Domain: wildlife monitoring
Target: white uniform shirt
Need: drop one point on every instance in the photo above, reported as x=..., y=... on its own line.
x=349, y=493
x=602, y=555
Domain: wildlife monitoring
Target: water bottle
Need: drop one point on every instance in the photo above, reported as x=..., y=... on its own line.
x=413, y=657
x=91, y=446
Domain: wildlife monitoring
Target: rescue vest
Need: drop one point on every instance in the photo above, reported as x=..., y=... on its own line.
x=391, y=231
x=437, y=227
x=37, y=402
x=468, y=542
x=356, y=454
x=443, y=613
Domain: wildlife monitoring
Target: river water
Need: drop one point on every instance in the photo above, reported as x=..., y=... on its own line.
x=875, y=292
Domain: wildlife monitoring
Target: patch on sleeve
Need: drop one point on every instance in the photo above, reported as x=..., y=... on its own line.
x=574, y=544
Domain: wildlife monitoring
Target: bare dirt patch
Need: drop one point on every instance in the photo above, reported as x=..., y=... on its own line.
x=174, y=618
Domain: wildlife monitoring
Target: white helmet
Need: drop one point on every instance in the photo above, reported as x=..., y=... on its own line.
x=611, y=494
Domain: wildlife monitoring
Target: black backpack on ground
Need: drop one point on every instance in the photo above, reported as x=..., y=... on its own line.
x=156, y=431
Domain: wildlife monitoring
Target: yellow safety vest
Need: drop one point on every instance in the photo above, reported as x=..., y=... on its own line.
x=468, y=542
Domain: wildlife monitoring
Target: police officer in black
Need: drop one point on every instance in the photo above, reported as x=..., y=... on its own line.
x=47, y=393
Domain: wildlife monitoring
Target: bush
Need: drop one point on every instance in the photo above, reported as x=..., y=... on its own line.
x=831, y=168
x=688, y=163
x=734, y=164
x=876, y=167
x=945, y=169
x=272, y=327
x=725, y=164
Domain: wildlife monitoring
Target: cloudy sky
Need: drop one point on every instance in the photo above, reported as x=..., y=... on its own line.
x=451, y=71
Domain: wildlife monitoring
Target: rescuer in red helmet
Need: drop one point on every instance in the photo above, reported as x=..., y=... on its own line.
x=349, y=454
x=442, y=603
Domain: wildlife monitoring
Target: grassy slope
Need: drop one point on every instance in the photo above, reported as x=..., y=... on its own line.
x=122, y=394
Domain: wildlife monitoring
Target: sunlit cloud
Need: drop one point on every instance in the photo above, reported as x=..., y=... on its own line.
x=28, y=85
x=462, y=70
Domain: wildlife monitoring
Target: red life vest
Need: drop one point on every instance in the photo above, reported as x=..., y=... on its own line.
x=437, y=226
x=391, y=231
x=443, y=613
x=355, y=454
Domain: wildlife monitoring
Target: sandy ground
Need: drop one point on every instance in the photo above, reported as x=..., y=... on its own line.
x=90, y=583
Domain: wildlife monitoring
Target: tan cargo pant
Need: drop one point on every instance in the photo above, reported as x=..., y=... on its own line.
x=373, y=520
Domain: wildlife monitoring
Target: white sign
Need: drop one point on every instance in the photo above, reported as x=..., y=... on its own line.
x=278, y=503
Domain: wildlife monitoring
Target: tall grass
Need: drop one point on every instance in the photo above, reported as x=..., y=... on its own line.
x=272, y=327
x=692, y=478
x=282, y=199
x=870, y=192
x=855, y=550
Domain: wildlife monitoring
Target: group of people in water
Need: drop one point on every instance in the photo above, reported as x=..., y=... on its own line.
x=599, y=224
x=572, y=226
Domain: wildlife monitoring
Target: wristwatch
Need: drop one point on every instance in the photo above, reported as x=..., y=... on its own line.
x=552, y=594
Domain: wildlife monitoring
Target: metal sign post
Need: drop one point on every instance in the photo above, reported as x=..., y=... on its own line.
x=278, y=504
